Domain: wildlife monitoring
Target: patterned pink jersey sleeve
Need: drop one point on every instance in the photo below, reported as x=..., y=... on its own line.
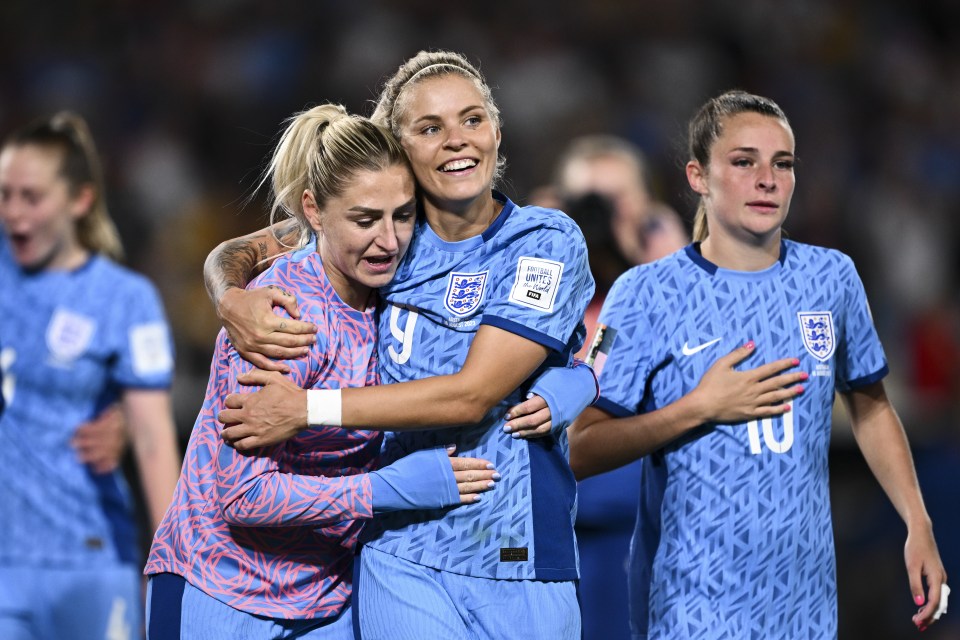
x=292, y=483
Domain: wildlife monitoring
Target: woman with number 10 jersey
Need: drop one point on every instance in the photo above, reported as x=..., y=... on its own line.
x=733, y=537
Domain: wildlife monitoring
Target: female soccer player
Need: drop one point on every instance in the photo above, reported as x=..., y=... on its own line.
x=79, y=332
x=262, y=546
x=733, y=537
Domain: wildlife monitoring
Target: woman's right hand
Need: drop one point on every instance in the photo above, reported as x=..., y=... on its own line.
x=259, y=335
x=732, y=396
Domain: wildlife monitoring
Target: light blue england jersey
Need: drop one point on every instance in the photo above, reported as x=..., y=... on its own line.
x=72, y=341
x=733, y=537
x=6, y=273
x=526, y=274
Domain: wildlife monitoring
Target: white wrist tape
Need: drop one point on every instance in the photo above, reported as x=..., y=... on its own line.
x=942, y=607
x=324, y=407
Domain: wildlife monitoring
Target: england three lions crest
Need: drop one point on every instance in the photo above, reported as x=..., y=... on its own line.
x=69, y=335
x=819, y=338
x=464, y=292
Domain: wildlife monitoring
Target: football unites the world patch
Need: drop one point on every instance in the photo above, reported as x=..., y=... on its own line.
x=536, y=283
x=819, y=338
x=150, y=349
x=464, y=292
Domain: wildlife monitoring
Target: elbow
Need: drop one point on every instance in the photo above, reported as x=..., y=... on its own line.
x=578, y=465
x=236, y=512
x=474, y=407
x=232, y=516
x=580, y=462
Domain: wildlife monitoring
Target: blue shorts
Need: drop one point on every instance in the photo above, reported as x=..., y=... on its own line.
x=80, y=604
x=401, y=600
x=176, y=609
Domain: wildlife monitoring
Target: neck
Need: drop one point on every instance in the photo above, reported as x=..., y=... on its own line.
x=737, y=255
x=454, y=221
x=353, y=294
x=67, y=258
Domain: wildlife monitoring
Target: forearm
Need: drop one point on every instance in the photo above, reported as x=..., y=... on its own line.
x=884, y=445
x=155, y=447
x=599, y=442
x=440, y=401
x=274, y=499
x=234, y=263
x=497, y=363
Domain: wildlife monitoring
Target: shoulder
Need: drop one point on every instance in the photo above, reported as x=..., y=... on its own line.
x=648, y=285
x=816, y=258
x=121, y=281
x=300, y=272
x=543, y=219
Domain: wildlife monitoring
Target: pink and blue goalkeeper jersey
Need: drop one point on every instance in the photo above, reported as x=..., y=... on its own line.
x=273, y=533
x=733, y=536
x=526, y=274
x=71, y=342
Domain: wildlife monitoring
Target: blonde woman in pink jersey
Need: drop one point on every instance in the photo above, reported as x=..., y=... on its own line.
x=261, y=546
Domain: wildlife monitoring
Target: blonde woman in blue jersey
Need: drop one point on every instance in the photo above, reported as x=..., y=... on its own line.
x=79, y=332
x=733, y=537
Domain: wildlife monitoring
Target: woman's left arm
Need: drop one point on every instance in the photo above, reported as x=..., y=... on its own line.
x=881, y=438
x=149, y=417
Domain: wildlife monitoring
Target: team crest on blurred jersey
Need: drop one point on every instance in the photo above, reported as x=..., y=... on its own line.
x=816, y=327
x=69, y=334
x=464, y=292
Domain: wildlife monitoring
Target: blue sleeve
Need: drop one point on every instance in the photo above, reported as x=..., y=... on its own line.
x=145, y=355
x=567, y=391
x=621, y=350
x=422, y=480
x=860, y=358
x=543, y=285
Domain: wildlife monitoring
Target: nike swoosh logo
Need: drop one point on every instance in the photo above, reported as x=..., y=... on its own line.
x=689, y=351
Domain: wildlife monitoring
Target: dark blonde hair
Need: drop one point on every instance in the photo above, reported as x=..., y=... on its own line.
x=79, y=167
x=389, y=110
x=321, y=150
x=707, y=126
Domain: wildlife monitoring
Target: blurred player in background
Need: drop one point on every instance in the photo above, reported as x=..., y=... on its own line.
x=287, y=519
x=733, y=536
x=79, y=333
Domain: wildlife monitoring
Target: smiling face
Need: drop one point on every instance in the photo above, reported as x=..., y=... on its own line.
x=451, y=140
x=749, y=182
x=365, y=231
x=38, y=210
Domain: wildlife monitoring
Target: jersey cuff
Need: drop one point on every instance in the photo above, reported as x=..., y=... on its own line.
x=868, y=379
x=611, y=407
x=524, y=332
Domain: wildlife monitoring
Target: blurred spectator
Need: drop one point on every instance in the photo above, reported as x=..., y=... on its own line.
x=644, y=229
x=601, y=182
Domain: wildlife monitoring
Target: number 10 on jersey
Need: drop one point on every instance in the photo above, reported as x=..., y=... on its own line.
x=754, y=427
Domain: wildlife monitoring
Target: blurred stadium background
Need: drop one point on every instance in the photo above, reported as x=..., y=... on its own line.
x=185, y=98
